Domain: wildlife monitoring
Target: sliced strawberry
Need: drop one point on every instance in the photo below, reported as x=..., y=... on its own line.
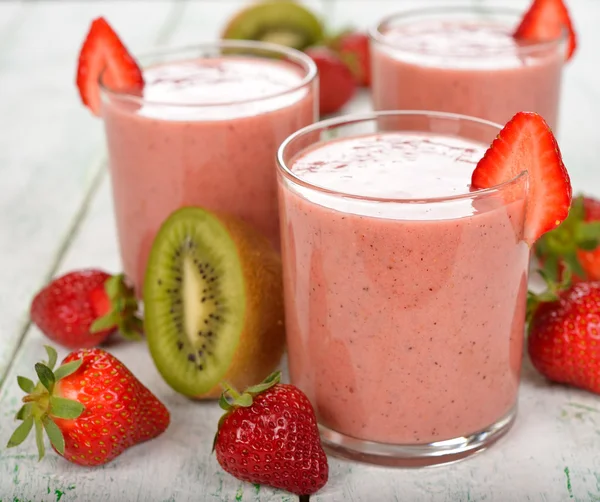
x=545, y=21
x=102, y=50
x=526, y=143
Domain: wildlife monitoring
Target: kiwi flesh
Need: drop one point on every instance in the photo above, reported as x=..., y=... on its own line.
x=283, y=22
x=213, y=303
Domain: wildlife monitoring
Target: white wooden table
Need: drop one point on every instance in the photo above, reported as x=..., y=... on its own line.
x=56, y=215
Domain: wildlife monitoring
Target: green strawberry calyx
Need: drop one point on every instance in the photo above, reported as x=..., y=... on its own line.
x=552, y=292
x=231, y=399
x=123, y=313
x=42, y=405
x=559, y=247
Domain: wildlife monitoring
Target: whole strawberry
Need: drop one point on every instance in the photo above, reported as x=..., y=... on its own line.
x=92, y=408
x=336, y=82
x=574, y=243
x=269, y=436
x=353, y=48
x=83, y=308
x=564, y=335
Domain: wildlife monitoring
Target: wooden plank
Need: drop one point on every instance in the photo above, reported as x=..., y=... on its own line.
x=49, y=151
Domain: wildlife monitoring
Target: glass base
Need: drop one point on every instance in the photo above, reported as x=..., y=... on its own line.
x=415, y=455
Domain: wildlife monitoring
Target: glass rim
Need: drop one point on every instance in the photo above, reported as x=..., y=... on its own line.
x=293, y=55
x=376, y=35
x=285, y=171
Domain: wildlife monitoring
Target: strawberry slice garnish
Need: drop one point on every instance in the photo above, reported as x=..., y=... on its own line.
x=101, y=52
x=526, y=143
x=545, y=21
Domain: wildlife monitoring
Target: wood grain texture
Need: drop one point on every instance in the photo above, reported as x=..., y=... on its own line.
x=550, y=455
x=50, y=144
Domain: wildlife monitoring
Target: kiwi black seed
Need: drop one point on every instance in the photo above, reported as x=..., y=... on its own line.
x=278, y=21
x=197, y=295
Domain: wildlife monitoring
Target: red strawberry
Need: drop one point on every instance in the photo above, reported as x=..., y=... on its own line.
x=83, y=308
x=545, y=21
x=353, y=48
x=269, y=436
x=92, y=408
x=563, y=338
x=574, y=243
x=101, y=52
x=336, y=82
x=526, y=143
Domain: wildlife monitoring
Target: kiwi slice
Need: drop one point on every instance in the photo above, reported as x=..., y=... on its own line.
x=278, y=21
x=213, y=303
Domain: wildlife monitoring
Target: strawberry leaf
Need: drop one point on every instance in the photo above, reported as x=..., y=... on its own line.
x=570, y=259
x=223, y=403
x=551, y=294
x=228, y=389
x=561, y=245
x=67, y=369
x=108, y=321
x=112, y=286
x=20, y=433
x=25, y=384
x=24, y=412
x=39, y=439
x=587, y=235
x=131, y=327
x=52, y=356
x=244, y=400
x=55, y=435
x=65, y=408
x=551, y=267
x=273, y=379
x=123, y=308
x=45, y=375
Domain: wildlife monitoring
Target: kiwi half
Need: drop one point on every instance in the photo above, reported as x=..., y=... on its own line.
x=213, y=303
x=278, y=21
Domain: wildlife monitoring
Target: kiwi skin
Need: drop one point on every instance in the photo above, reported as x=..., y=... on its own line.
x=284, y=22
x=261, y=340
x=256, y=355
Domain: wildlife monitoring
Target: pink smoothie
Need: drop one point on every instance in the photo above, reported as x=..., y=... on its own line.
x=206, y=134
x=404, y=321
x=472, y=68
